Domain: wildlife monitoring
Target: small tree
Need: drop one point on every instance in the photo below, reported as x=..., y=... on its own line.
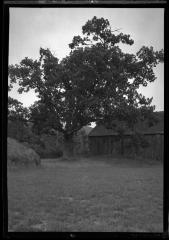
x=16, y=111
x=93, y=83
x=17, y=115
x=138, y=142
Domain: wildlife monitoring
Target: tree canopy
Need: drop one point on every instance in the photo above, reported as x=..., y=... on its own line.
x=96, y=82
x=16, y=111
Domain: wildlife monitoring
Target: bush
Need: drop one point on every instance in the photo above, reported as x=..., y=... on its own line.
x=18, y=130
x=137, y=142
x=46, y=145
x=20, y=154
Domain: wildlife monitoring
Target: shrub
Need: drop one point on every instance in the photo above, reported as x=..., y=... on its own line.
x=18, y=153
x=138, y=142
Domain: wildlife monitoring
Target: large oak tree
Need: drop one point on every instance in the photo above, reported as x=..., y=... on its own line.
x=96, y=82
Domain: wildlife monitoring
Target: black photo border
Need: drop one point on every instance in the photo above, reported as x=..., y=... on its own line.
x=4, y=100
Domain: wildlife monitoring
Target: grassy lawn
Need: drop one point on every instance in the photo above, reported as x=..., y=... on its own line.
x=86, y=195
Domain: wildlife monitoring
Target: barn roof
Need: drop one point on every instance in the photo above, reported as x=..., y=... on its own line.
x=87, y=129
x=101, y=130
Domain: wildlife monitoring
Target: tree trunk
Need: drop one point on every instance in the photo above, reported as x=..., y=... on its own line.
x=68, y=148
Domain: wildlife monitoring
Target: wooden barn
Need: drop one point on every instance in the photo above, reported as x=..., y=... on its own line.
x=108, y=142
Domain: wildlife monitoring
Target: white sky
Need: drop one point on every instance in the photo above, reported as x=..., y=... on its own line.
x=54, y=28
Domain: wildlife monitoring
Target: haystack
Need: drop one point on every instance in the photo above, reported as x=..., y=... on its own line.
x=18, y=153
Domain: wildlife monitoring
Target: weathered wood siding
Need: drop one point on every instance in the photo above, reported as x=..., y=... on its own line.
x=100, y=145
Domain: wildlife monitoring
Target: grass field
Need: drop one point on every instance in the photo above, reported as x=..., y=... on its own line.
x=114, y=195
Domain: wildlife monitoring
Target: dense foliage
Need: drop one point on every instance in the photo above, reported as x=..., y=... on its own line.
x=96, y=82
x=16, y=111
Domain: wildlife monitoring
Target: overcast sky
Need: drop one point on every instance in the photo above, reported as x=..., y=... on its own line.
x=54, y=28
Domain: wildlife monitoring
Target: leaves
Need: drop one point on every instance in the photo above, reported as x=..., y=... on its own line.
x=95, y=82
x=16, y=110
x=98, y=33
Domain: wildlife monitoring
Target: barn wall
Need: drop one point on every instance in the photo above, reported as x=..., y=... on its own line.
x=101, y=145
x=104, y=145
x=156, y=147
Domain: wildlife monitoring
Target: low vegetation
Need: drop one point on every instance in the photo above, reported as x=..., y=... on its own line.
x=96, y=194
x=47, y=145
x=19, y=154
